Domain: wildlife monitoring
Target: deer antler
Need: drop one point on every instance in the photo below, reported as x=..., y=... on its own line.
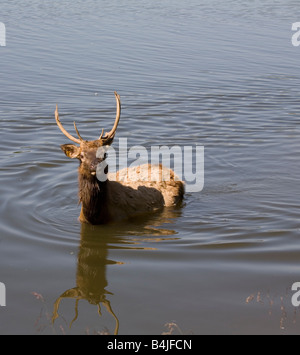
x=107, y=139
x=76, y=140
x=108, y=307
x=75, y=293
x=110, y=135
x=78, y=132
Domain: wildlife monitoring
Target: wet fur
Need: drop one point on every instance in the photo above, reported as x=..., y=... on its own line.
x=103, y=202
x=93, y=197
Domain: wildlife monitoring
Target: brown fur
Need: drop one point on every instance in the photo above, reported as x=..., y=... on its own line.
x=103, y=202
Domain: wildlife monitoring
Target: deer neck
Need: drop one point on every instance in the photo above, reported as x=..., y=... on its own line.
x=93, y=197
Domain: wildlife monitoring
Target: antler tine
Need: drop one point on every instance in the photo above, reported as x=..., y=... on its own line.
x=101, y=134
x=111, y=134
x=78, y=134
x=108, y=307
x=76, y=312
x=64, y=131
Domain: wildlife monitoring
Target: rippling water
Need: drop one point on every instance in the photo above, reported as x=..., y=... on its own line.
x=221, y=75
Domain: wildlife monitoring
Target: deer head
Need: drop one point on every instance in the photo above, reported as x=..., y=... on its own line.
x=88, y=151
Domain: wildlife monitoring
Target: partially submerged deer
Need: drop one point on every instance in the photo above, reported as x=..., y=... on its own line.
x=132, y=193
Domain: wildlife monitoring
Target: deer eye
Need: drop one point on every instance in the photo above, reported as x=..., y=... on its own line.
x=81, y=156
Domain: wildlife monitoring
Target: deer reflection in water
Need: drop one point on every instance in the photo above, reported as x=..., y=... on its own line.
x=92, y=260
x=91, y=275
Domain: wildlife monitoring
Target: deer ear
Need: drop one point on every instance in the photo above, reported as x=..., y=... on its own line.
x=71, y=150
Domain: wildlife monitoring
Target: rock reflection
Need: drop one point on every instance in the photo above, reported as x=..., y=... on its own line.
x=92, y=259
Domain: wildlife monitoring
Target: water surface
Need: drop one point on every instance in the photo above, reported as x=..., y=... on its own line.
x=224, y=76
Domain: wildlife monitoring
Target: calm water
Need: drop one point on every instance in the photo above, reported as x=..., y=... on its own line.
x=219, y=74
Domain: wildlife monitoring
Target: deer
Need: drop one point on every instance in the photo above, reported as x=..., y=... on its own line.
x=131, y=192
